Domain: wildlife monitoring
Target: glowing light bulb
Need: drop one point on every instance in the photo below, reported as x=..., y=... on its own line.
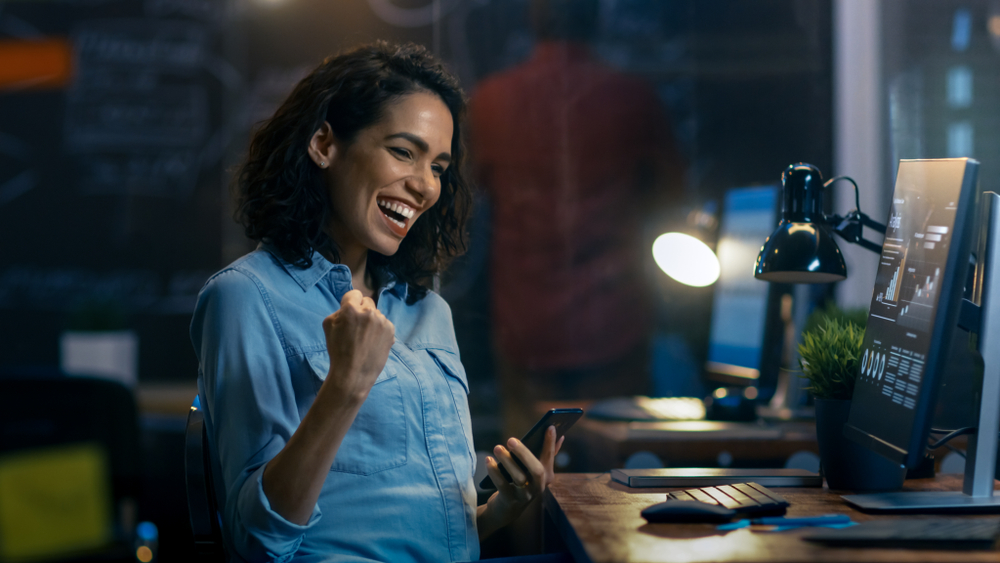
x=686, y=259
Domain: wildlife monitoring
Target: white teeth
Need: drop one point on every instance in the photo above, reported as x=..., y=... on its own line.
x=403, y=210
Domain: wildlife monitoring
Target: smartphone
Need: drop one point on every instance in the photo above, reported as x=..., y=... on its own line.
x=562, y=419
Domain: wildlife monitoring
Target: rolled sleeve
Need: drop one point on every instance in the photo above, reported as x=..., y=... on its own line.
x=278, y=538
x=251, y=405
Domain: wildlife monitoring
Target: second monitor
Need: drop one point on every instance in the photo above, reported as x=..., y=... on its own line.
x=745, y=339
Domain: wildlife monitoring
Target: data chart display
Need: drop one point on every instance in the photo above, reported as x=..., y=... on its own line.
x=912, y=286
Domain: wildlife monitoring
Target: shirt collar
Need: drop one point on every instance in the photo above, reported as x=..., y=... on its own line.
x=305, y=277
x=308, y=277
x=400, y=290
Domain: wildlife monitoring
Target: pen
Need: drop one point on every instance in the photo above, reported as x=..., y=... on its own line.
x=825, y=520
x=805, y=521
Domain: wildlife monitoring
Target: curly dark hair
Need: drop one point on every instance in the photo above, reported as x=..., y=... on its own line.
x=280, y=194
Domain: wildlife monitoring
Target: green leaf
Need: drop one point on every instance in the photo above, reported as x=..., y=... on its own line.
x=829, y=355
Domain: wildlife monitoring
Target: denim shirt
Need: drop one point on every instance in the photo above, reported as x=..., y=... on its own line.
x=400, y=488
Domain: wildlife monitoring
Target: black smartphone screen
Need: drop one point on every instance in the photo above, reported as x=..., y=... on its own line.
x=562, y=419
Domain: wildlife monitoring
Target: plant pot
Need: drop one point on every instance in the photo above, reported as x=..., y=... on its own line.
x=845, y=464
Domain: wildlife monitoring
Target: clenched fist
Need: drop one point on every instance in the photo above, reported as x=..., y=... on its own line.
x=358, y=339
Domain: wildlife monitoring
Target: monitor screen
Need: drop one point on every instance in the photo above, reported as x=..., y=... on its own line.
x=914, y=307
x=740, y=307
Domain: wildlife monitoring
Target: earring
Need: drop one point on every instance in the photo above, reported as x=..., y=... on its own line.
x=322, y=164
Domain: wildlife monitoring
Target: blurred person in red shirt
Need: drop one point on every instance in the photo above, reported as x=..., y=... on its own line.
x=574, y=155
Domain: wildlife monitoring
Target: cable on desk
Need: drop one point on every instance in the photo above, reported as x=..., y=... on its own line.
x=949, y=435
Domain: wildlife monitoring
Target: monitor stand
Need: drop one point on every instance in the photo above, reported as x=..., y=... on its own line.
x=980, y=459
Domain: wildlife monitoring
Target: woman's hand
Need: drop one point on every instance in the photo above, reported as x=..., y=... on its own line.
x=512, y=498
x=358, y=339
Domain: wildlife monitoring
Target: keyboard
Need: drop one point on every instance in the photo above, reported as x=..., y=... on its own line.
x=747, y=499
x=938, y=533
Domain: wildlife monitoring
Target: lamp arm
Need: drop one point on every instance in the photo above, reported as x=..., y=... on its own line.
x=864, y=243
x=850, y=227
x=871, y=223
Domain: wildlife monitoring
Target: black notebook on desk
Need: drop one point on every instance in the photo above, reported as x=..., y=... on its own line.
x=708, y=476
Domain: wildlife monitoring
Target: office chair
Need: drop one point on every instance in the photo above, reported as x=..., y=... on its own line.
x=202, y=504
x=52, y=411
x=49, y=410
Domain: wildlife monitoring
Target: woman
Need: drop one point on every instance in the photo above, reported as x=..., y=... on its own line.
x=334, y=396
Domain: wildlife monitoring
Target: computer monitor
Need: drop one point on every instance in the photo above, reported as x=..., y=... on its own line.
x=745, y=338
x=915, y=308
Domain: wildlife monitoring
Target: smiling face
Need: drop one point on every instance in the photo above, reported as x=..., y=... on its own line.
x=387, y=177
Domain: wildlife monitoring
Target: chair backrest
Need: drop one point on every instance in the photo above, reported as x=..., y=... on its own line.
x=50, y=411
x=202, y=505
x=42, y=413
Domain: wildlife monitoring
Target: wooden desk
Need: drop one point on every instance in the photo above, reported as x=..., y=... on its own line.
x=168, y=399
x=597, y=445
x=599, y=522
x=601, y=445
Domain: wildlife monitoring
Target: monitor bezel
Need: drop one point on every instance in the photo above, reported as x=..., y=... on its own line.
x=943, y=328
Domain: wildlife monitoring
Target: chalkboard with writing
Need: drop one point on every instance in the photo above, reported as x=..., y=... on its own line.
x=118, y=119
x=112, y=141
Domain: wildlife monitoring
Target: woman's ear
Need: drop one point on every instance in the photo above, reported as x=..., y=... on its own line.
x=323, y=146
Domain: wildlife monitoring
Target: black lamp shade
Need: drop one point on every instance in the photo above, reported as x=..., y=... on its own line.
x=800, y=253
x=801, y=249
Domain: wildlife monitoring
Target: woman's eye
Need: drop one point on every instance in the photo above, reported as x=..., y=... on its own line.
x=438, y=169
x=400, y=152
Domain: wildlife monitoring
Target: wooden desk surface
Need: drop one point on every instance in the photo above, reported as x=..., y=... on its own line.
x=599, y=445
x=602, y=445
x=600, y=523
x=170, y=399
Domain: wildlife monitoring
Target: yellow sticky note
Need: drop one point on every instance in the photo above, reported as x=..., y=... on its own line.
x=54, y=501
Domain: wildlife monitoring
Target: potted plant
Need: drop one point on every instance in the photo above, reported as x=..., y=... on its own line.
x=829, y=355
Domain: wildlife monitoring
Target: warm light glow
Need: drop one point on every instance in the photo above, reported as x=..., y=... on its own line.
x=686, y=259
x=994, y=25
x=144, y=554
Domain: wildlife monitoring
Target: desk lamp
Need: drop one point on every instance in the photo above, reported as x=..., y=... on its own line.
x=802, y=249
x=684, y=256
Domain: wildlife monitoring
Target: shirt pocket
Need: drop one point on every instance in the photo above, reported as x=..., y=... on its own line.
x=376, y=440
x=458, y=382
